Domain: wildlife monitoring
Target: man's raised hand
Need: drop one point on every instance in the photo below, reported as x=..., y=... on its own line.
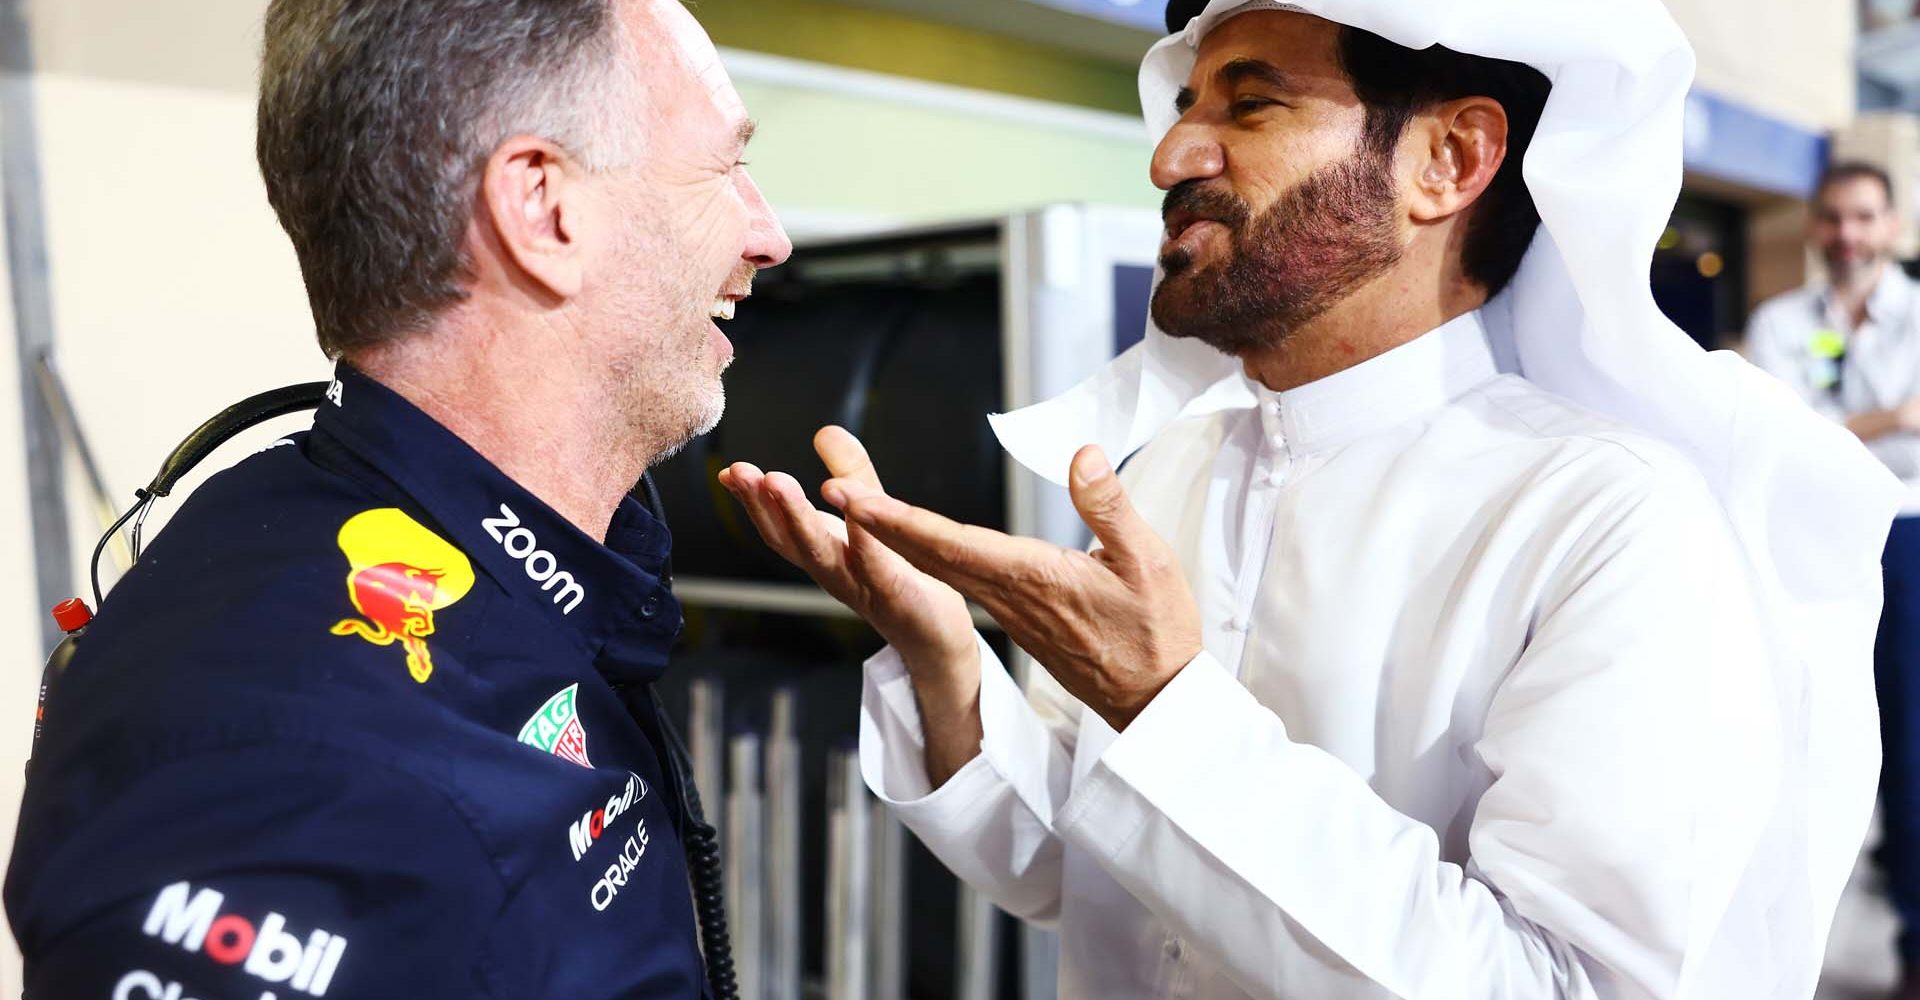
x=1113, y=626
x=926, y=621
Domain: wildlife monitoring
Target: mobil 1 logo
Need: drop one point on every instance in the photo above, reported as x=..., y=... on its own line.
x=192, y=920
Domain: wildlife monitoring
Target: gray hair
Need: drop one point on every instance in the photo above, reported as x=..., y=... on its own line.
x=376, y=117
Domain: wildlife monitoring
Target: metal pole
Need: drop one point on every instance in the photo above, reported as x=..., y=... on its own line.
x=849, y=922
x=784, y=916
x=706, y=736
x=26, y=252
x=59, y=402
x=746, y=864
x=888, y=954
x=978, y=974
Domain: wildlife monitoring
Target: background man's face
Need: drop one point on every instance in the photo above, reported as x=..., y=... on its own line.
x=1275, y=208
x=690, y=229
x=1854, y=226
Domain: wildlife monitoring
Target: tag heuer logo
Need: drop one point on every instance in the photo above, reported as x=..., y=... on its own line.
x=556, y=728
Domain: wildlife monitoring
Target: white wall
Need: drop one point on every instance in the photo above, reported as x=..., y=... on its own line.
x=211, y=44
x=174, y=292
x=1792, y=59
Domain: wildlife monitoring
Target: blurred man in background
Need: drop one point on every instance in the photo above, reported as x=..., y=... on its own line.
x=1849, y=346
x=1846, y=344
x=371, y=718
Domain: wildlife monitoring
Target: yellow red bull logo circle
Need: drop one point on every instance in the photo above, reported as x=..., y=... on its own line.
x=400, y=574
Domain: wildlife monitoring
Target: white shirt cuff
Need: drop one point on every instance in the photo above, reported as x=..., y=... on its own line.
x=1164, y=757
x=1015, y=746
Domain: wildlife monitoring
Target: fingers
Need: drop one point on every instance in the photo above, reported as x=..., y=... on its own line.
x=810, y=539
x=744, y=481
x=845, y=457
x=841, y=492
x=975, y=561
x=1104, y=506
x=927, y=540
x=820, y=548
x=869, y=558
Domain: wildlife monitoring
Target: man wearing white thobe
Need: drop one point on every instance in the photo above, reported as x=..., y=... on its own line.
x=1473, y=667
x=1391, y=675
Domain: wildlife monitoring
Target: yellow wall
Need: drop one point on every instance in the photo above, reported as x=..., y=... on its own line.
x=820, y=153
x=886, y=42
x=1788, y=58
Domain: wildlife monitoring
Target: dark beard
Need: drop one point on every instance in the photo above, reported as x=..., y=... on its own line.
x=1326, y=236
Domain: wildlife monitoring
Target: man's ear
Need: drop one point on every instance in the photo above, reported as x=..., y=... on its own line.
x=531, y=198
x=1459, y=146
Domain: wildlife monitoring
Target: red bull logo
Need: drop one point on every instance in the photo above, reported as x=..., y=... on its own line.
x=400, y=574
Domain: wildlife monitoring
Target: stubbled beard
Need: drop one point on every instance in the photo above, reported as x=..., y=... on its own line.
x=662, y=377
x=716, y=407
x=686, y=402
x=1326, y=236
x=1841, y=271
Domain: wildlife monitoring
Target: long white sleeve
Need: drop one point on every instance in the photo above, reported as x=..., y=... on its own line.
x=991, y=823
x=1634, y=753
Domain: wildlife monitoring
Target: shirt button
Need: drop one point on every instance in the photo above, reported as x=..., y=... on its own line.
x=1175, y=951
x=649, y=608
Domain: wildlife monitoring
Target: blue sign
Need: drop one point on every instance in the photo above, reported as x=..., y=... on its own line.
x=1132, y=302
x=1736, y=143
x=1147, y=15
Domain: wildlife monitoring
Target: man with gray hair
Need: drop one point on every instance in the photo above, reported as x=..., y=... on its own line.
x=372, y=717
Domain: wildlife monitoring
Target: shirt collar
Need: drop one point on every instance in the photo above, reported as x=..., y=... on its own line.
x=1891, y=297
x=612, y=595
x=1418, y=377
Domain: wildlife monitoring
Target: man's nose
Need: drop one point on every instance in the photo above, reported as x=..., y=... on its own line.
x=767, y=242
x=1187, y=153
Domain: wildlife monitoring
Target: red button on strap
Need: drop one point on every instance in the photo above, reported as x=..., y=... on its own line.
x=72, y=614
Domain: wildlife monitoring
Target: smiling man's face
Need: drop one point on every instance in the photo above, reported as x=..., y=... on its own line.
x=1854, y=226
x=1275, y=206
x=694, y=228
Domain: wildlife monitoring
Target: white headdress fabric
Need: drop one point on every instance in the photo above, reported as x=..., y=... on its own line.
x=1808, y=503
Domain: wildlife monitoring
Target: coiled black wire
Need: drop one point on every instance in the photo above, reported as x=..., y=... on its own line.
x=709, y=899
x=703, y=865
x=702, y=840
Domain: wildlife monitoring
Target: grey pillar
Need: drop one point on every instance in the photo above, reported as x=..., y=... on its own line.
x=26, y=252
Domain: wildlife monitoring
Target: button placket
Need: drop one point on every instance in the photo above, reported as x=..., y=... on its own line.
x=1271, y=476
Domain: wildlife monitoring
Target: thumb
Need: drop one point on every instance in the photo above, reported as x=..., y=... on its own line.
x=844, y=456
x=1103, y=505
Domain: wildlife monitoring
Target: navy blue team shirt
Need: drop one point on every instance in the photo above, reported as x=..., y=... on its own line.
x=367, y=720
